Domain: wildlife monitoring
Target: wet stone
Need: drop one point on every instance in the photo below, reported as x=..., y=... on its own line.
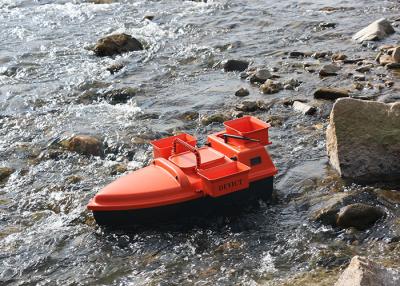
x=329, y=93
x=83, y=144
x=360, y=216
x=270, y=87
x=260, y=76
x=338, y=57
x=118, y=169
x=396, y=54
x=242, y=92
x=214, y=118
x=120, y=95
x=296, y=54
x=359, y=77
x=329, y=70
x=385, y=60
x=5, y=172
x=189, y=115
x=364, y=272
x=304, y=108
x=115, y=68
x=235, y=65
x=116, y=44
x=248, y=106
x=392, y=66
x=364, y=69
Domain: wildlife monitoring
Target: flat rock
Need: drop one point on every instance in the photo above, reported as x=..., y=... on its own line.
x=360, y=216
x=363, y=140
x=235, y=65
x=116, y=44
x=364, y=272
x=330, y=93
x=377, y=30
x=304, y=108
x=329, y=70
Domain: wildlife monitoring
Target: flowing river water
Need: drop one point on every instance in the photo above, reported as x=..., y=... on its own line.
x=47, y=237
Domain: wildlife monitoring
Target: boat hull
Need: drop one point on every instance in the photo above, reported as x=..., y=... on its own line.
x=201, y=208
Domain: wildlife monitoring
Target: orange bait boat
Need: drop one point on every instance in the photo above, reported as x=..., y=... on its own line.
x=233, y=167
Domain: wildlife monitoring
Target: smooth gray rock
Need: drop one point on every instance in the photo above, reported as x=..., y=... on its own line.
x=364, y=272
x=363, y=140
x=377, y=30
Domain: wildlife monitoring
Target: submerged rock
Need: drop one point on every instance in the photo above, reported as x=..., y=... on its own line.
x=330, y=93
x=360, y=216
x=5, y=172
x=377, y=30
x=242, y=92
x=116, y=44
x=364, y=272
x=218, y=118
x=235, y=65
x=115, y=68
x=120, y=95
x=363, y=140
x=83, y=144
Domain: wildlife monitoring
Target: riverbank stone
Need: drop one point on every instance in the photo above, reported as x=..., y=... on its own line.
x=330, y=93
x=235, y=65
x=363, y=140
x=377, y=30
x=116, y=44
x=364, y=272
x=358, y=215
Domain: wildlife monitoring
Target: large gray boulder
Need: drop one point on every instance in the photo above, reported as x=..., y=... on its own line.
x=363, y=140
x=364, y=272
x=375, y=31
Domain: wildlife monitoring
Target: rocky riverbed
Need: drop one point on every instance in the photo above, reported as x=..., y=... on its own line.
x=78, y=108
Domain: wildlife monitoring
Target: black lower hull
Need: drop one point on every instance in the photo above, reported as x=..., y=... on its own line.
x=201, y=208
